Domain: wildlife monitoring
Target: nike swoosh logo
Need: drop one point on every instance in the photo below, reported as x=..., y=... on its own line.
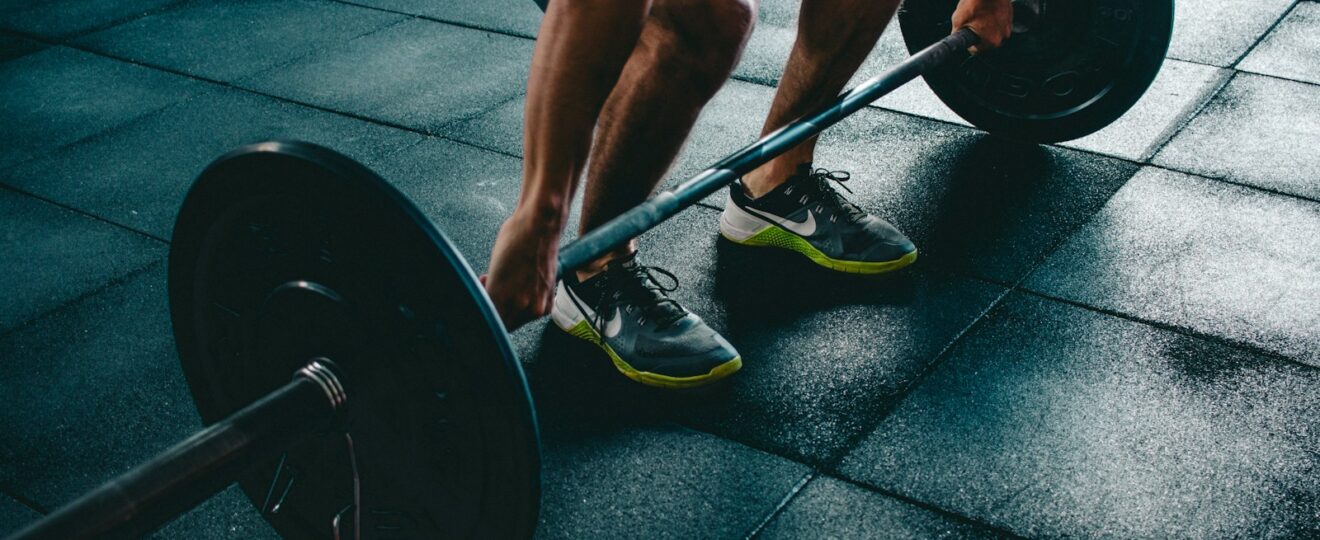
x=806, y=227
x=612, y=326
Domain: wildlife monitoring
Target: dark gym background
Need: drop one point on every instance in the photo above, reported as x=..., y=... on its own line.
x=1117, y=336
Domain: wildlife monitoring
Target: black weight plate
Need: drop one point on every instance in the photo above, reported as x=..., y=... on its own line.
x=1077, y=68
x=284, y=252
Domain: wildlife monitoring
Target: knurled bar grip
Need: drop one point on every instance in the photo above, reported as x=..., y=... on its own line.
x=142, y=499
x=666, y=204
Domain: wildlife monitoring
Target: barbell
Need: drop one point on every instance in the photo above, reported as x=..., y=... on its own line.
x=355, y=379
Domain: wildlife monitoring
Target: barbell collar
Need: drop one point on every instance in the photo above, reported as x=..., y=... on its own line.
x=150, y=495
x=667, y=204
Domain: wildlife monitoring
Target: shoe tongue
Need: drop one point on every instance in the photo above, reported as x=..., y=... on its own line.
x=664, y=311
x=823, y=186
x=803, y=174
x=631, y=267
x=626, y=263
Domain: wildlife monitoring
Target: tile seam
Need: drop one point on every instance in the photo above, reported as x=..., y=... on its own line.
x=832, y=463
x=281, y=99
x=84, y=296
x=1240, y=184
x=933, y=508
x=783, y=503
x=1264, y=35
x=30, y=504
x=1231, y=343
x=73, y=209
x=433, y=18
x=1185, y=118
x=942, y=356
x=111, y=23
x=401, y=127
x=482, y=147
x=237, y=82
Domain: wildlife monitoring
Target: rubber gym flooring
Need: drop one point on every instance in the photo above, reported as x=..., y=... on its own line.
x=1117, y=336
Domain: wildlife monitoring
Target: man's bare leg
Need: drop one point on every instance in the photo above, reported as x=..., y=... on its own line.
x=582, y=49
x=834, y=38
x=775, y=205
x=807, y=215
x=686, y=52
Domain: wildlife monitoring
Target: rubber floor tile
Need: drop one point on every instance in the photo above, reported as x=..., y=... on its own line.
x=52, y=256
x=1290, y=50
x=59, y=95
x=1200, y=254
x=65, y=18
x=133, y=176
x=1257, y=130
x=228, y=40
x=1053, y=421
x=419, y=74
x=658, y=481
x=830, y=508
x=519, y=17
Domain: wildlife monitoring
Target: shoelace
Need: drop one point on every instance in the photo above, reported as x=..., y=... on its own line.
x=828, y=195
x=642, y=289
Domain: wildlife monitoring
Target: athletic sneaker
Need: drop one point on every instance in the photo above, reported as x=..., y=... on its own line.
x=806, y=215
x=651, y=339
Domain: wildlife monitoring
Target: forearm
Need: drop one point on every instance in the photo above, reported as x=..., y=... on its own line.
x=579, y=55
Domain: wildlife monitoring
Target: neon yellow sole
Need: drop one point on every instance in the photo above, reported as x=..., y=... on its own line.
x=583, y=330
x=773, y=236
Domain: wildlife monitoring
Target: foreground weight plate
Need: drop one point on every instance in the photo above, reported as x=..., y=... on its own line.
x=285, y=252
x=1071, y=68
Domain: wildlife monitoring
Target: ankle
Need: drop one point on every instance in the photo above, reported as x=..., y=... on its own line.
x=767, y=178
x=589, y=271
x=597, y=266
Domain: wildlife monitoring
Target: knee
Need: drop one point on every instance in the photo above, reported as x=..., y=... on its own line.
x=734, y=19
x=708, y=29
x=831, y=26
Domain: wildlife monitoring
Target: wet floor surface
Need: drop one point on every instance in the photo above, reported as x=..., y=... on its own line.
x=1116, y=336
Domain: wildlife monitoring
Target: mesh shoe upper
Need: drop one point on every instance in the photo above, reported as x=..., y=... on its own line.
x=630, y=309
x=809, y=206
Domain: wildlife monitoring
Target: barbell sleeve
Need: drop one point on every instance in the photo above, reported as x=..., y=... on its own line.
x=146, y=497
x=666, y=204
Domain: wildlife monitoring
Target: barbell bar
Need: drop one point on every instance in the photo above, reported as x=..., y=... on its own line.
x=666, y=204
x=408, y=414
x=178, y=479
